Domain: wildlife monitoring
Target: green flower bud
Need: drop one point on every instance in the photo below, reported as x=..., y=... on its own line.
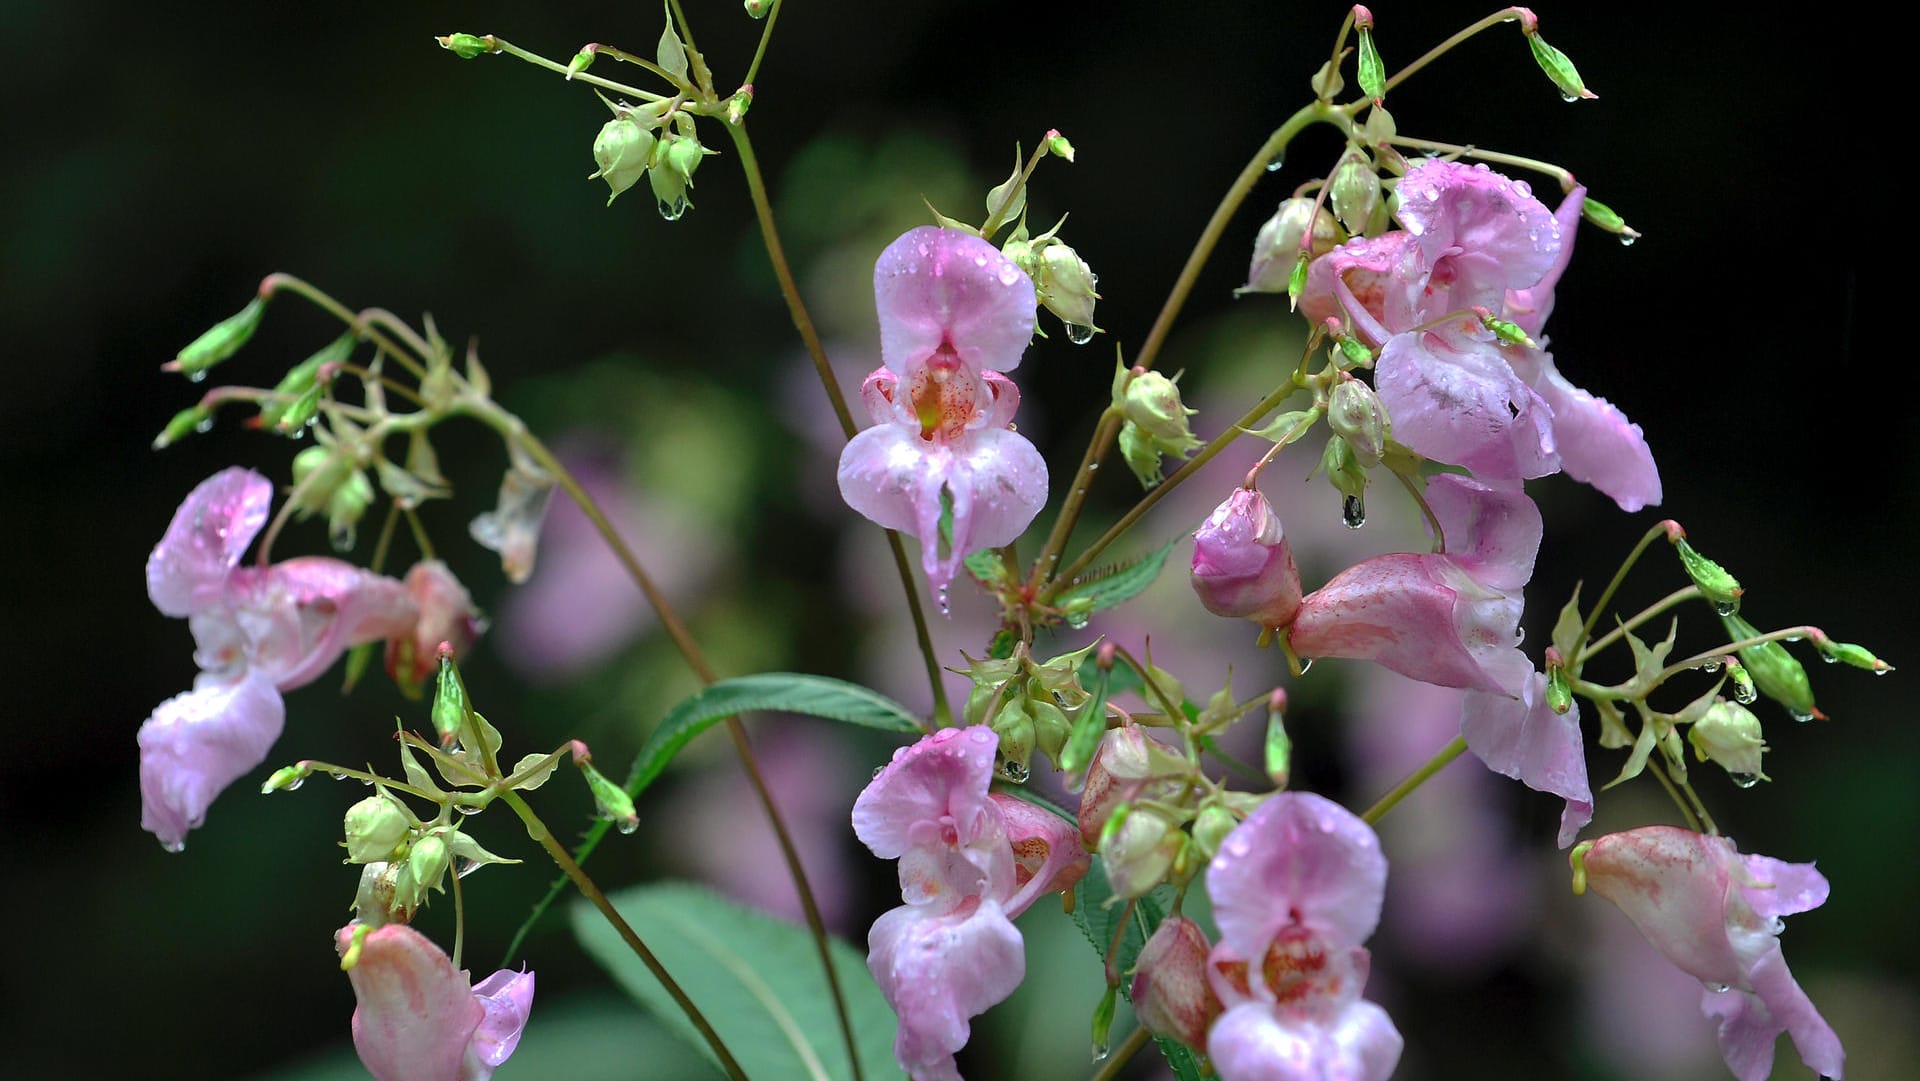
x=184, y=423
x=1015, y=728
x=1103, y=1019
x=738, y=104
x=1559, y=694
x=1297, y=282
x=1857, y=656
x=1729, y=734
x=668, y=183
x=1372, y=71
x=1050, y=728
x=467, y=46
x=610, y=801
x=1065, y=288
x=1141, y=456
x=758, y=8
x=1559, y=69
x=374, y=828
x=219, y=341
x=1343, y=468
x=450, y=705
x=1355, y=413
x=623, y=150
x=1212, y=827
x=1508, y=333
x=582, y=60
x=1152, y=401
x=1774, y=670
x=286, y=779
x=425, y=865
x=1058, y=146
x=1604, y=216
x=1276, y=249
x=1278, y=750
x=1138, y=849
x=1712, y=579
x=1354, y=191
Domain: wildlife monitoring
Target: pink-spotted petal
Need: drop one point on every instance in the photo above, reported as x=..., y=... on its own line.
x=1423, y=616
x=198, y=743
x=936, y=287
x=507, y=998
x=1457, y=400
x=415, y=1014
x=945, y=774
x=1298, y=857
x=1525, y=739
x=187, y=570
x=298, y=616
x=937, y=972
x=1047, y=856
x=1493, y=529
x=1673, y=884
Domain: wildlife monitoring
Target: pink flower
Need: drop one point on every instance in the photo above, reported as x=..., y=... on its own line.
x=447, y=615
x=954, y=314
x=1296, y=889
x=969, y=863
x=259, y=631
x=417, y=1019
x=1525, y=739
x=1242, y=567
x=1717, y=916
x=1449, y=618
x=1170, y=992
x=1475, y=239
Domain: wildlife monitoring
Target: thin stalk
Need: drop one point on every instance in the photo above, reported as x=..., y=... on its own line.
x=459, y=920
x=1559, y=173
x=760, y=50
x=1678, y=596
x=277, y=281
x=997, y=216
x=1063, y=523
x=1659, y=772
x=1218, y=444
x=1504, y=15
x=590, y=79
x=803, y=322
x=1123, y=1054
x=588, y=889
x=1414, y=780
x=1586, y=629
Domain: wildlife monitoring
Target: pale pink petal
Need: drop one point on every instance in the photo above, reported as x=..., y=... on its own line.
x=507, y=998
x=187, y=570
x=1368, y=282
x=445, y=613
x=936, y=287
x=1242, y=566
x=1258, y=1042
x=1047, y=857
x=415, y=1013
x=1423, y=616
x=1750, y=1023
x=1778, y=888
x=198, y=743
x=298, y=616
x=1598, y=445
x=1494, y=529
x=893, y=477
x=1673, y=884
x=1531, y=306
x=1471, y=208
x=937, y=972
x=945, y=774
x=1298, y=858
x=1369, y=1043
x=880, y=393
x=1525, y=739
x=1006, y=485
x=1456, y=399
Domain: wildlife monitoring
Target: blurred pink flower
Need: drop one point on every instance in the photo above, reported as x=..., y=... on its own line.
x=416, y=1019
x=954, y=314
x=967, y=867
x=1717, y=916
x=447, y=615
x=259, y=631
x=1296, y=889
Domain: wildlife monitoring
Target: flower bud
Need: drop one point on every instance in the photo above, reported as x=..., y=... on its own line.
x=610, y=801
x=1058, y=146
x=1138, y=850
x=1152, y=401
x=1171, y=995
x=1211, y=827
x=218, y=342
x=1127, y=763
x=1348, y=477
x=328, y=481
x=1242, y=565
x=1276, y=249
x=374, y=828
x=1065, y=288
x=1774, y=670
x=623, y=150
x=1709, y=577
x=1356, y=414
x=376, y=901
x=450, y=706
x=424, y=867
x=1558, y=68
x=197, y=418
x=739, y=103
x=1014, y=726
x=757, y=9
x=1050, y=727
x=1354, y=191
x=467, y=46
x=582, y=60
x=1604, y=216
x=1729, y=734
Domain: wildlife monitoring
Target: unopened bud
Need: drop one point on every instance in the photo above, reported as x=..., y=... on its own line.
x=1558, y=68
x=1050, y=728
x=1372, y=71
x=1711, y=578
x=1507, y=333
x=1297, y=281
x=1211, y=827
x=1848, y=653
x=1138, y=850
x=623, y=150
x=758, y=8
x=197, y=418
x=467, y=46
x=1058, y=146
x=1278, y=748
x=1774, y=670
x=610, y=801
x=1729, y=734
x=1065, y=286
x=582, y=60
x=1344, y=470
x=1354, y=192
x=1103, y=1019
x=739, y=103
x=1171, y=994
x=1559, y=694
x=1242, y=566
x=1604, y=216
x=286, y=779
x=1356, y=414
x=1152, y=401
x=374, y=827
x=218, y=342
x=450, y=705
x=426, y=864
x=1015, y=728
x=1276, y=249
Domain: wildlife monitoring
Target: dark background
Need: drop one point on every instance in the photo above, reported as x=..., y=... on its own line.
x=159, y=164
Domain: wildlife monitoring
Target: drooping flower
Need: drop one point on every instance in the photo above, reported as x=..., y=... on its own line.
x=969, y=863
x=954, y=314
x=259, y=631
x=447, y=615
x=1296, y=889
x=1450, y=617
x=417, y=1019
x=1717, y=916
x=1473, y=239
x=1242, y=566
x=1525, y=739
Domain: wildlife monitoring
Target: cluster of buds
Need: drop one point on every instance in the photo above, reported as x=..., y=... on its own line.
x=654, y=140
x=1155, y=421
x=1030, y=705
x=1062, y=281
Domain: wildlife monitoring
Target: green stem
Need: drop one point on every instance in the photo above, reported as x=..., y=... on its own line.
x=1593, y=617
x=1562, y=175
x=588, y=889
x=1414, y=780
x=760, y=50
x=1110, y=1069
x=579, y=77
x=359, y=325
x=997, y=216
x=803, y=322
x=1218, y=444
x=1659, y=772
x=1069, y=516
x=1670, y=600
x=1504, y=15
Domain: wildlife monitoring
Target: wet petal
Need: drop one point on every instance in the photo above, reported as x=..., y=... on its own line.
x=209, y=533
x=1524, y=739
x=938, y=286
x=198, y=743
x=937, y=972
x=1299, y=857
x=1598, y=445
x=414, y=1014
x=1457, y=400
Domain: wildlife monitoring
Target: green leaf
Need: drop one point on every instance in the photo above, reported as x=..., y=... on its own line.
x=987, y=566
x=757, y=980
x=1100, y=923
x=1181, y=1059
x=1106, y=588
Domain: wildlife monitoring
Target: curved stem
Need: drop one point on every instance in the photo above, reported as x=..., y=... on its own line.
x=590, y=79
x=1659, y=772
x=803, y=322
x=1559, y=173
x=760, y=50
x=1504, y=15
x=358, y=324
x=1063, y=523
x=1117, y=1061
x=588, y=889
x=1606, y=595
x=1676, y=597
x=1414, y=780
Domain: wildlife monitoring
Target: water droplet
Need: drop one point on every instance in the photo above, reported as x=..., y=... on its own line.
x=1726, y=608
x=671, y=209
x=1829, y=658
x=1571, y=98
x=627, y=825
x=1277, y=164
x=1627, y=241
x=1353, y=511
x=1882, y=671
x=1079, y=333
x=1745, y=694
x=1794, y=638
x=1009, y=273
x=1744, y=780
x=1103, y=1048
x=336, y=775
x=341, y=541
x=203, y=428
x=174, y=846
x=1016, y=772
x=466, y=809
x=1091, y=466
x=1433, y=195
x=1711, y=666
x=1716, y=988
x=365, y=782
x=942, y=601
x=1306, y=665
x=878, y=770
x=980, y=260
x=193, y=377
x=1803, y=718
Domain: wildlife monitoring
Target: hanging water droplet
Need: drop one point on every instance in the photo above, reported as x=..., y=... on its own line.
x=878, y=770
x=1103, y=1048
x=365, y=782
x=1306, y=665
x=1745, y=694
x=174, y=846
x=1016, y=772
x=1078, y=620
x=1627, y=241
x=1803, y=718
x=204, y=426
x=336, y=775
x=671, y=209
x=466, y=809
x=1744, y=780
x=1353, y=511
x=292, y=786
x=194, y=377
x=627, y=825
x=1091, y=466
x=1711, y=666
x=341, y=540
x=1726, y=608
x=1079, y=333
x=944, y=603
x=1883, y=671
x=1276, y=164
x=1716, y=988
x=1829, y=658
x=1794, y=638
x=1569, y=97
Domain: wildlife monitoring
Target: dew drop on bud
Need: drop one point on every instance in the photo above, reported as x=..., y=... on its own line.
x=1829, y=658
x=341, y=541
x=174, y=846
x=1015, y=772
x=1745, y=694
x=1078, y=620
x=204, y=426
x=1744, y=780
x=1569, y=98
x=195, y=377
x=627, y=825
x=1101, y=1051
x=1716, y=988
x=1726, y=608
x=1306, y=665
x=336, y=775
x=878, y=770
x=1710, y=666
x=672, y=210
x=1803, y=718
x=1353, y=511
x=1079, y=333
x=1627, y=241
